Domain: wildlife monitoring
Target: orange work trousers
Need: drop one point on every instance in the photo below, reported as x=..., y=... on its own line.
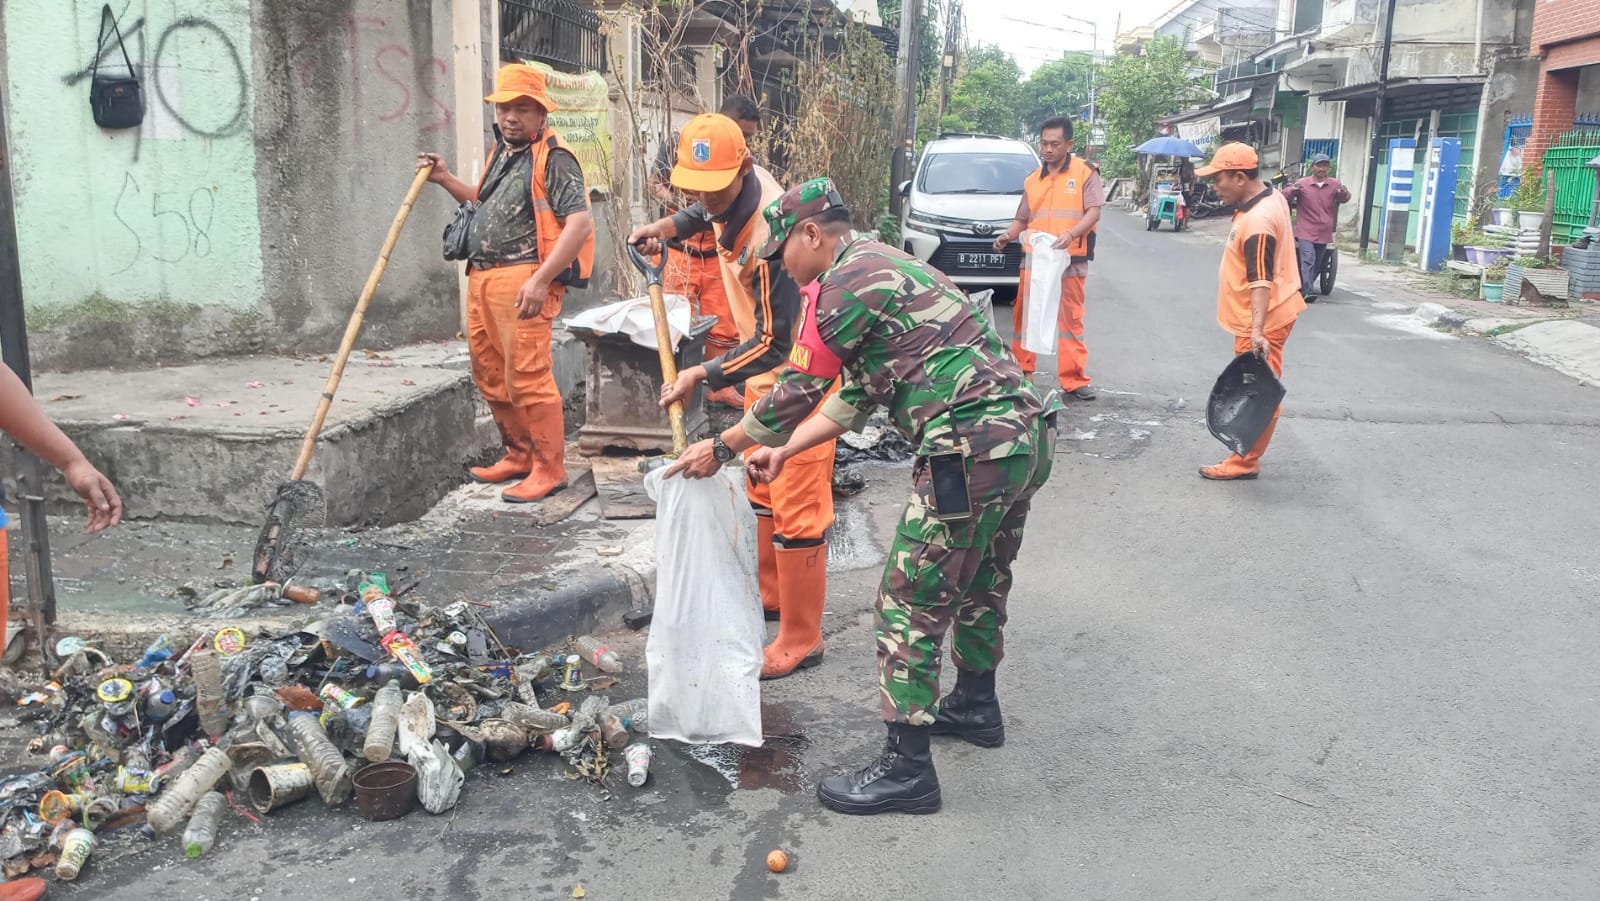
x=801, y=497
x=510, y=356
x=700, y=279
x=1072, y=356
x=1251, y=461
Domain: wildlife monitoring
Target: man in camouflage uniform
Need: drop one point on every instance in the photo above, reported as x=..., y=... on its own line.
x=902, y=336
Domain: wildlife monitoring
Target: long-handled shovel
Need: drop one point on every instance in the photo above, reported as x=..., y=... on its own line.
x=669, y=363
x=297, y=499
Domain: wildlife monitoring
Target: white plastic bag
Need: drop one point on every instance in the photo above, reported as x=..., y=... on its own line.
x=1043, y=304
x=633, y=318
x=704, y=652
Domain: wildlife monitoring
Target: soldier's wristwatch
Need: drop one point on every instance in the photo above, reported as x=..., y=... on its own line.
x=722, y=452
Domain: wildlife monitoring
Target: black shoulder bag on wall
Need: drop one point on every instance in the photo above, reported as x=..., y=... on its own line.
x=116, y=100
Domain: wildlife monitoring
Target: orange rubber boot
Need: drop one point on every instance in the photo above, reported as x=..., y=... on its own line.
x=514, y=434
x=803, y=590
x=547, y=470
x=767, y=557
x=1237, y=468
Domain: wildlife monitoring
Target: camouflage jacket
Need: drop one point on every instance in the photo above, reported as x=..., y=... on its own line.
x=908, y=340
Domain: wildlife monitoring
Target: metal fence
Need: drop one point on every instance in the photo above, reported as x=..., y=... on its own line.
x=1573, y=182
x=565, y=34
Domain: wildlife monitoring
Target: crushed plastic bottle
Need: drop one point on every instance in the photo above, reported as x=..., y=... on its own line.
x=75, y=851
x=181, y=796
x=534, y=719
x=635, y=714
x=203, y=823
x=318, y=752
x=598, y=654
x=385, y=721
x=209, y=697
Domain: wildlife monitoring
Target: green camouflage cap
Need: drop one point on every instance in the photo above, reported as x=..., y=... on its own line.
x=797, y=204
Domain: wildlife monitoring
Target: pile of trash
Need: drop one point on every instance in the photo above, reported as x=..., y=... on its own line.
x=387, y=701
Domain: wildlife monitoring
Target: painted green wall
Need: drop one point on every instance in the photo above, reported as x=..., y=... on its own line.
x=164, y=212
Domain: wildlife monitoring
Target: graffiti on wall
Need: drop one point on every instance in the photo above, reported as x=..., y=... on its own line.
x=388, y=81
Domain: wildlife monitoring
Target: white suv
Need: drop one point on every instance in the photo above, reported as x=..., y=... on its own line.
x=965, y=192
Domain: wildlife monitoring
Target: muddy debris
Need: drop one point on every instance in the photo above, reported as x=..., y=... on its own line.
x=386, y=701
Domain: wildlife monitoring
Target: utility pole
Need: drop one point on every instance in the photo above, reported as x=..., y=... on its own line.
x=906, y=83
x=1377, y=125
x=30, y=470
x=952, y=47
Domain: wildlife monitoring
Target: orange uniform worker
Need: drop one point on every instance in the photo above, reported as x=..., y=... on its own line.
x=531, y=238
x=692, y=267
x=1258, y=287
x=793, y=513
x=1064, y=199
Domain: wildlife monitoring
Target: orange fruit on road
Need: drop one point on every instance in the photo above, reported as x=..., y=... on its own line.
x=777, y=861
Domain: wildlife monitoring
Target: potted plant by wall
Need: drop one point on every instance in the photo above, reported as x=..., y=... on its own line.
x=1494, y=282
x=1458, y=241
x=1528, y=200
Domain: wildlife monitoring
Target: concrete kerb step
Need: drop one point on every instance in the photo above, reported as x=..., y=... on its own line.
x=210, y=441
x=572, y=599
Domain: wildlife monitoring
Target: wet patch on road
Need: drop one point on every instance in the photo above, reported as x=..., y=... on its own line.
x=1119, y=426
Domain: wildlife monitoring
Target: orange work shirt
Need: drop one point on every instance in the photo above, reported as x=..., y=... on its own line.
x=1260, y=253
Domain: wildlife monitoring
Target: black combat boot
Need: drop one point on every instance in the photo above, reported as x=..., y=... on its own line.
x=902, y=778
x=972, y=711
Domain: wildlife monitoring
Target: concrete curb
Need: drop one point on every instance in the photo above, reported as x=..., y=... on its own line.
x=1482, y=326
x=584, y=599
x=532, y=616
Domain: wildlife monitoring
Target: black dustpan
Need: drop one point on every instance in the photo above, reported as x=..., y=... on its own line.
x=1242, y=402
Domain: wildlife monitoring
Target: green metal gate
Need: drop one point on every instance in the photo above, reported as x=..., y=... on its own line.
x=1573, y=182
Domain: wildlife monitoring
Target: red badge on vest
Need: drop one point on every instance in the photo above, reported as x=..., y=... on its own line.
x=811, y=354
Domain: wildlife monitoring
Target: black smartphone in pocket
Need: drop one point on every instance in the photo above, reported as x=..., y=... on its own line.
x=951, y=501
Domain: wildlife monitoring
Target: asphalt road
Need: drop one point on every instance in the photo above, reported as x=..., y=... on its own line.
x=1367, y=675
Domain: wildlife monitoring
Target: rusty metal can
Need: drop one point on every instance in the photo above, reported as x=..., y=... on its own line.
x=301, y=594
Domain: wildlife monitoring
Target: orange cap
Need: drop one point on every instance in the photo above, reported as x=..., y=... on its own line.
x=1230, y=156
x=711, y=149
x=520, y=80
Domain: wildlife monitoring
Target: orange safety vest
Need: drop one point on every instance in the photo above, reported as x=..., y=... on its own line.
x=740, y=264
x=547, y=225
x=1055, y=203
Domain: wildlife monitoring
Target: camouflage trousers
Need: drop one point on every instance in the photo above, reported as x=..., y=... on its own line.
x=953, y=577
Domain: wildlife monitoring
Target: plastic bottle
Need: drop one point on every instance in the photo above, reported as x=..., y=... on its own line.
x=385, y=720
x=635, y=714
x=180, y=798
x=75, y=851
x=321, y=756
x=613, y=733
x=383, y=673
x=159, y=705
x=202, y=828
x=208, y=696
x=533, y=718
x=598, y=654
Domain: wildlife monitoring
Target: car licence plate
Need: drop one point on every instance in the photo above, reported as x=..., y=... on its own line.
x=981, y=260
